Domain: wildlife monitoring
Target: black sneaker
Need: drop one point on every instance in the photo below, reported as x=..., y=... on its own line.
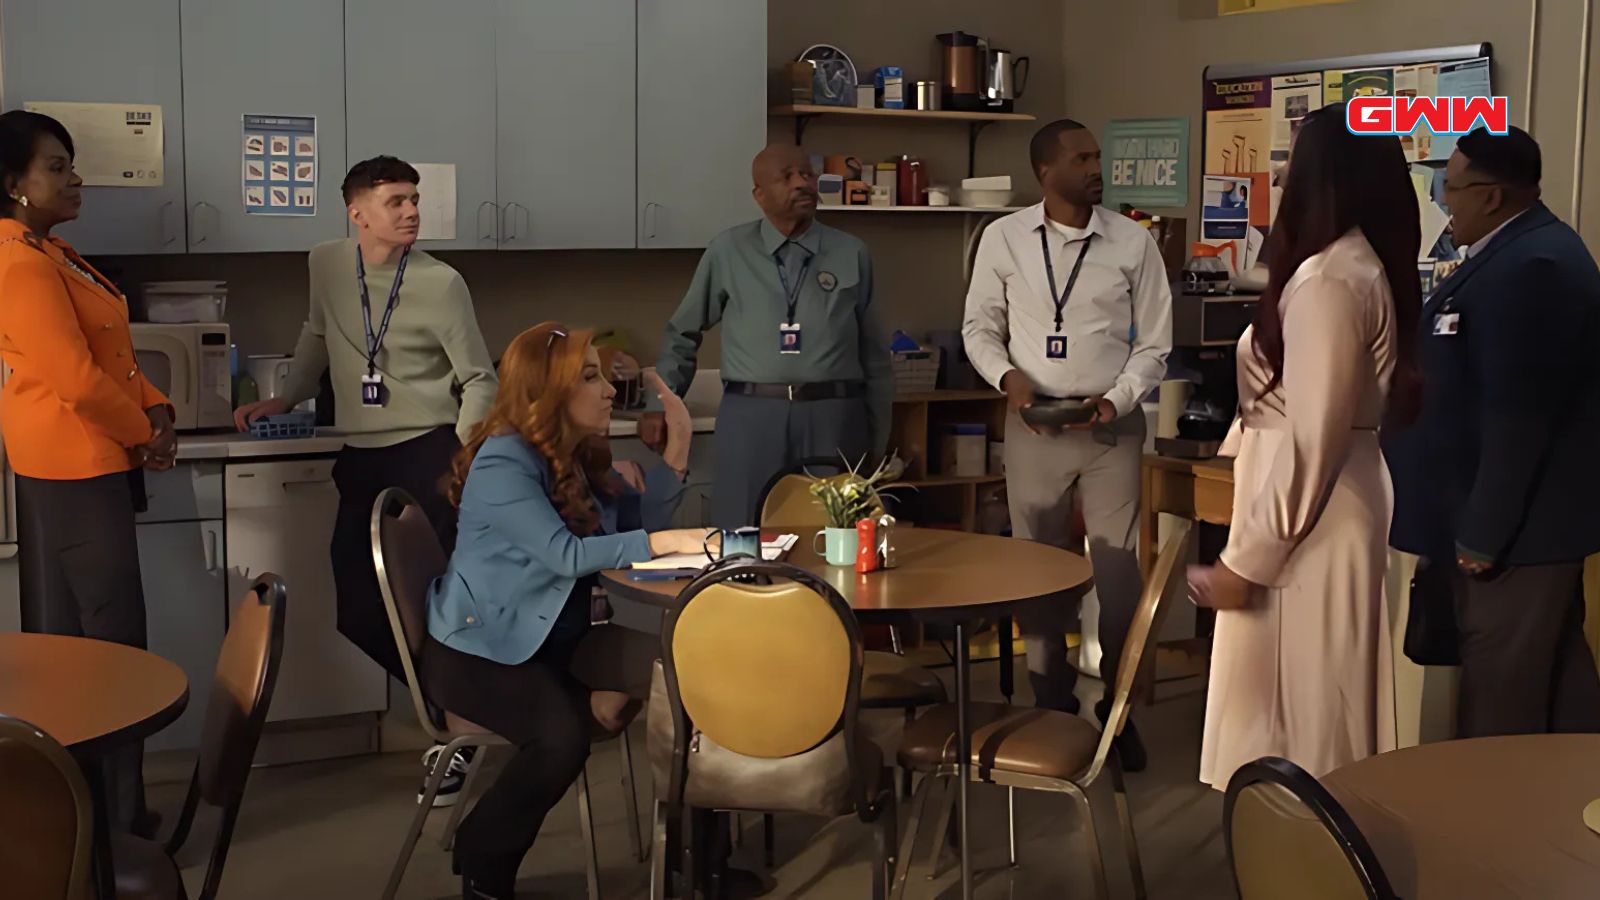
x=450, y=787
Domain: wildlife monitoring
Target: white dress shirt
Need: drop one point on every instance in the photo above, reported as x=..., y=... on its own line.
x=1118, y=320
x=1474, y=249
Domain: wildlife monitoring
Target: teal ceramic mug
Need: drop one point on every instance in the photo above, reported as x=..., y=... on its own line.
x=838, y=545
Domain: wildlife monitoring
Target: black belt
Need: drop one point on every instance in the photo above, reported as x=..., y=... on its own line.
x=817, y=390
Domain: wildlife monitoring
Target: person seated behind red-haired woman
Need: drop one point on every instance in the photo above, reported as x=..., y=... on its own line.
x=543, y=511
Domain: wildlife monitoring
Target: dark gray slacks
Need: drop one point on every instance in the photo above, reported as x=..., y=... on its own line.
x=758, y=437
x=80, y=577
x=1525, y=667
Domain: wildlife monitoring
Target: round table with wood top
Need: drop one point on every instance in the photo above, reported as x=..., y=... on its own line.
x=92, y=697
x=1482, y=818
x=947, y=576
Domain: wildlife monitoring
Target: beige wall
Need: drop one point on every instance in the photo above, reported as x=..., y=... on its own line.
x=1133, y=58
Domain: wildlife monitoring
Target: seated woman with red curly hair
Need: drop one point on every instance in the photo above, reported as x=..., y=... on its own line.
x=542, y=513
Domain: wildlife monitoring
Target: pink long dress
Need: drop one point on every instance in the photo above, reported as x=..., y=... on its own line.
x=1305, y=671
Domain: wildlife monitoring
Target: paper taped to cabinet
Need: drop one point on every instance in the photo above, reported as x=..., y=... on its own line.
x=117, y=144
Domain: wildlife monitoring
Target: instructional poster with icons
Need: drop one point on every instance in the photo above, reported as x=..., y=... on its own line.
x=280, y=165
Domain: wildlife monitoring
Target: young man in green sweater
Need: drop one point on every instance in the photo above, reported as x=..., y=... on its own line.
x=411, y=375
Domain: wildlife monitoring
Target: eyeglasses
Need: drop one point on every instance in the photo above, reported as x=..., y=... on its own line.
x=554, y=333
x=1454, y=188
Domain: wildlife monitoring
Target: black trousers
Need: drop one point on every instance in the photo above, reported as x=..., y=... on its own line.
x=543, y=709
x=419, y=467
x=80, y=577
x=1525, y=668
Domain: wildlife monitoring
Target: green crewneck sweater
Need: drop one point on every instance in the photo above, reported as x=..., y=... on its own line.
x=434, y=363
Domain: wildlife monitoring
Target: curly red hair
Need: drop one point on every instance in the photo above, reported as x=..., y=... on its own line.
x=537, y=374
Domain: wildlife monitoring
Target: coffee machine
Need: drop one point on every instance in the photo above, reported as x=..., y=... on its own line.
x=976, y=76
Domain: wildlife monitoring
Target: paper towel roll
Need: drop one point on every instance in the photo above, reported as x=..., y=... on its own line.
x=1174, y=398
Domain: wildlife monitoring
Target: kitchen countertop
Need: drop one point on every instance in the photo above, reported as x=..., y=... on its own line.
x=232, y=445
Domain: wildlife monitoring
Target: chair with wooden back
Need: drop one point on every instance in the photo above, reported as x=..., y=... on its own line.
x=408, y=557
x=47, y=817
x=755, y=707
x=1047, y=750
x=1288, y=837
x=247, y=671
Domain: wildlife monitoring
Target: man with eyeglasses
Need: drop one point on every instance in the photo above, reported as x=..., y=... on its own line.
x=1494, y=486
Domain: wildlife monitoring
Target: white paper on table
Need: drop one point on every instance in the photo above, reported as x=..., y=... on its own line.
x=770, y=551
x=1253, y=242
x=118, y=144
x=438, y=201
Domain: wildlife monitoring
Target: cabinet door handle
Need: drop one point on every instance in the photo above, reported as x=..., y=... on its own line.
x=494, y=218
x=212, y=564
x=306, y=482
x=508, y=223
x=161, y=223
x=201, y=232
x=650, y=220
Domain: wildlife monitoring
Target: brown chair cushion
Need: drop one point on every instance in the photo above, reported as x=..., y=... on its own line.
x=894, y=682
x=1005, y=738
x=144, y=870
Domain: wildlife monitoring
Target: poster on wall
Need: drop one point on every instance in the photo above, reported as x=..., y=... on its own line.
x=1238, y=127
x=1459, y=79
x=1367, y=83
x=1293, y=98
x=280, y=165
x=1147, y=163
x=118, y=144
x=1417, y=81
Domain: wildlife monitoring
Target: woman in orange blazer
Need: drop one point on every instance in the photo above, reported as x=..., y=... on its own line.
x=78, y=417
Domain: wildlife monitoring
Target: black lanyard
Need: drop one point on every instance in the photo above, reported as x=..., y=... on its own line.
x=791, y=293
x=375, y=342
x=1050, y=272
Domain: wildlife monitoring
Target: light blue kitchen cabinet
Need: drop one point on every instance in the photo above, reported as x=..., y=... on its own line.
x=566, y=125
x=420, y=85
x=285, y=58
x=105, y=51
x=702, y=117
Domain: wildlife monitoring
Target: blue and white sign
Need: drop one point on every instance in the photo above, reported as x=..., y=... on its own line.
x=280, y=165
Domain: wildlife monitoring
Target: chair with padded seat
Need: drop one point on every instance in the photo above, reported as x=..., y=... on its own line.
x=1045, y=750
x=241, y=694
x=755, y=708
x=1288, y=837
x=408, y=557
x=47, y=816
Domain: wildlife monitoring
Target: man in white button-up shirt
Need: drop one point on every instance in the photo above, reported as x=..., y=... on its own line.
x=1069, y=300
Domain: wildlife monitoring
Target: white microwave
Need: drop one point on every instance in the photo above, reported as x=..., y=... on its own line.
x=190, y=364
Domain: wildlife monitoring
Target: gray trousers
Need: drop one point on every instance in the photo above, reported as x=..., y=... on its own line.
x=1525, y=667
x=1043, y=472
x=758, y=437
x=80, y=577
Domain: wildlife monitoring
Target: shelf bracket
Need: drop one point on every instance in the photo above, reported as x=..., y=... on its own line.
x=972, y=146
x=800, y=123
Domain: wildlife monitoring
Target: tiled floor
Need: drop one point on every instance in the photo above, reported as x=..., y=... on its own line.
x=331, y=830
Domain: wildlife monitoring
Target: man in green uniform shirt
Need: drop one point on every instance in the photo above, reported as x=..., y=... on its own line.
x=805, y=362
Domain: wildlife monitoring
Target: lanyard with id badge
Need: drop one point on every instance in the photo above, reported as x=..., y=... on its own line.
x=789, y=328
x=372, y=392
x=1055, y=345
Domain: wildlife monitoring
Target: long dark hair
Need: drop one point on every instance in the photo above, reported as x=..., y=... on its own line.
x=1339, y=181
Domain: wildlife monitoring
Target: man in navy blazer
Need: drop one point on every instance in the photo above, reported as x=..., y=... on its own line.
x=1496, y=479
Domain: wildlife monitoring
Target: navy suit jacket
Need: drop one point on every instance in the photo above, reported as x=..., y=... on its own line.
x=516, y=562
x=1500, y=464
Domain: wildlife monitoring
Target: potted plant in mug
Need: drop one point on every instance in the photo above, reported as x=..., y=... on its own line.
x=848, y=498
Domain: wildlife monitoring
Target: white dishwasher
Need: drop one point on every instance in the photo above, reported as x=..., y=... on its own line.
x=280, y=519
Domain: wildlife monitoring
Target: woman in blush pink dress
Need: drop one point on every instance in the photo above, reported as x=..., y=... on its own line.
x=1301, y=665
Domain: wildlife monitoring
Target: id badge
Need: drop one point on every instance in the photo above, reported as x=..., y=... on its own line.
x=1447, y=324
x=1055, y=346
x=789, y=339
x=372, y=390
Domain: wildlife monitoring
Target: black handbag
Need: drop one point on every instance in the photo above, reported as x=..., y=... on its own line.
x=1432, y=638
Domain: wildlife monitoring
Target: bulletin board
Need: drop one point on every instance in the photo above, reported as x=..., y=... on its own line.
x=1252, y=112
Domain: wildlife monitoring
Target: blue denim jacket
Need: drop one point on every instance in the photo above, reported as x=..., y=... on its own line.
x=516, y=562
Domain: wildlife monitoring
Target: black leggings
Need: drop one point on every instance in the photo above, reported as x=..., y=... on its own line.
x=540, y=707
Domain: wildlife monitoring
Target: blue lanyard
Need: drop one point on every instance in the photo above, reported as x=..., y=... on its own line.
x=791, y=294
x=1050, y=272
x=375, y=342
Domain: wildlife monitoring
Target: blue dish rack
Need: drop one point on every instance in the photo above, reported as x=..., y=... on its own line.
x=284, y=427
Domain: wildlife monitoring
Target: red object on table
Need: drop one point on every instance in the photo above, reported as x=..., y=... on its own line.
x=866, y=546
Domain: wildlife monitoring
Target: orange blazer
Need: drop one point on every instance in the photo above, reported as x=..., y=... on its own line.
x=74, y=403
